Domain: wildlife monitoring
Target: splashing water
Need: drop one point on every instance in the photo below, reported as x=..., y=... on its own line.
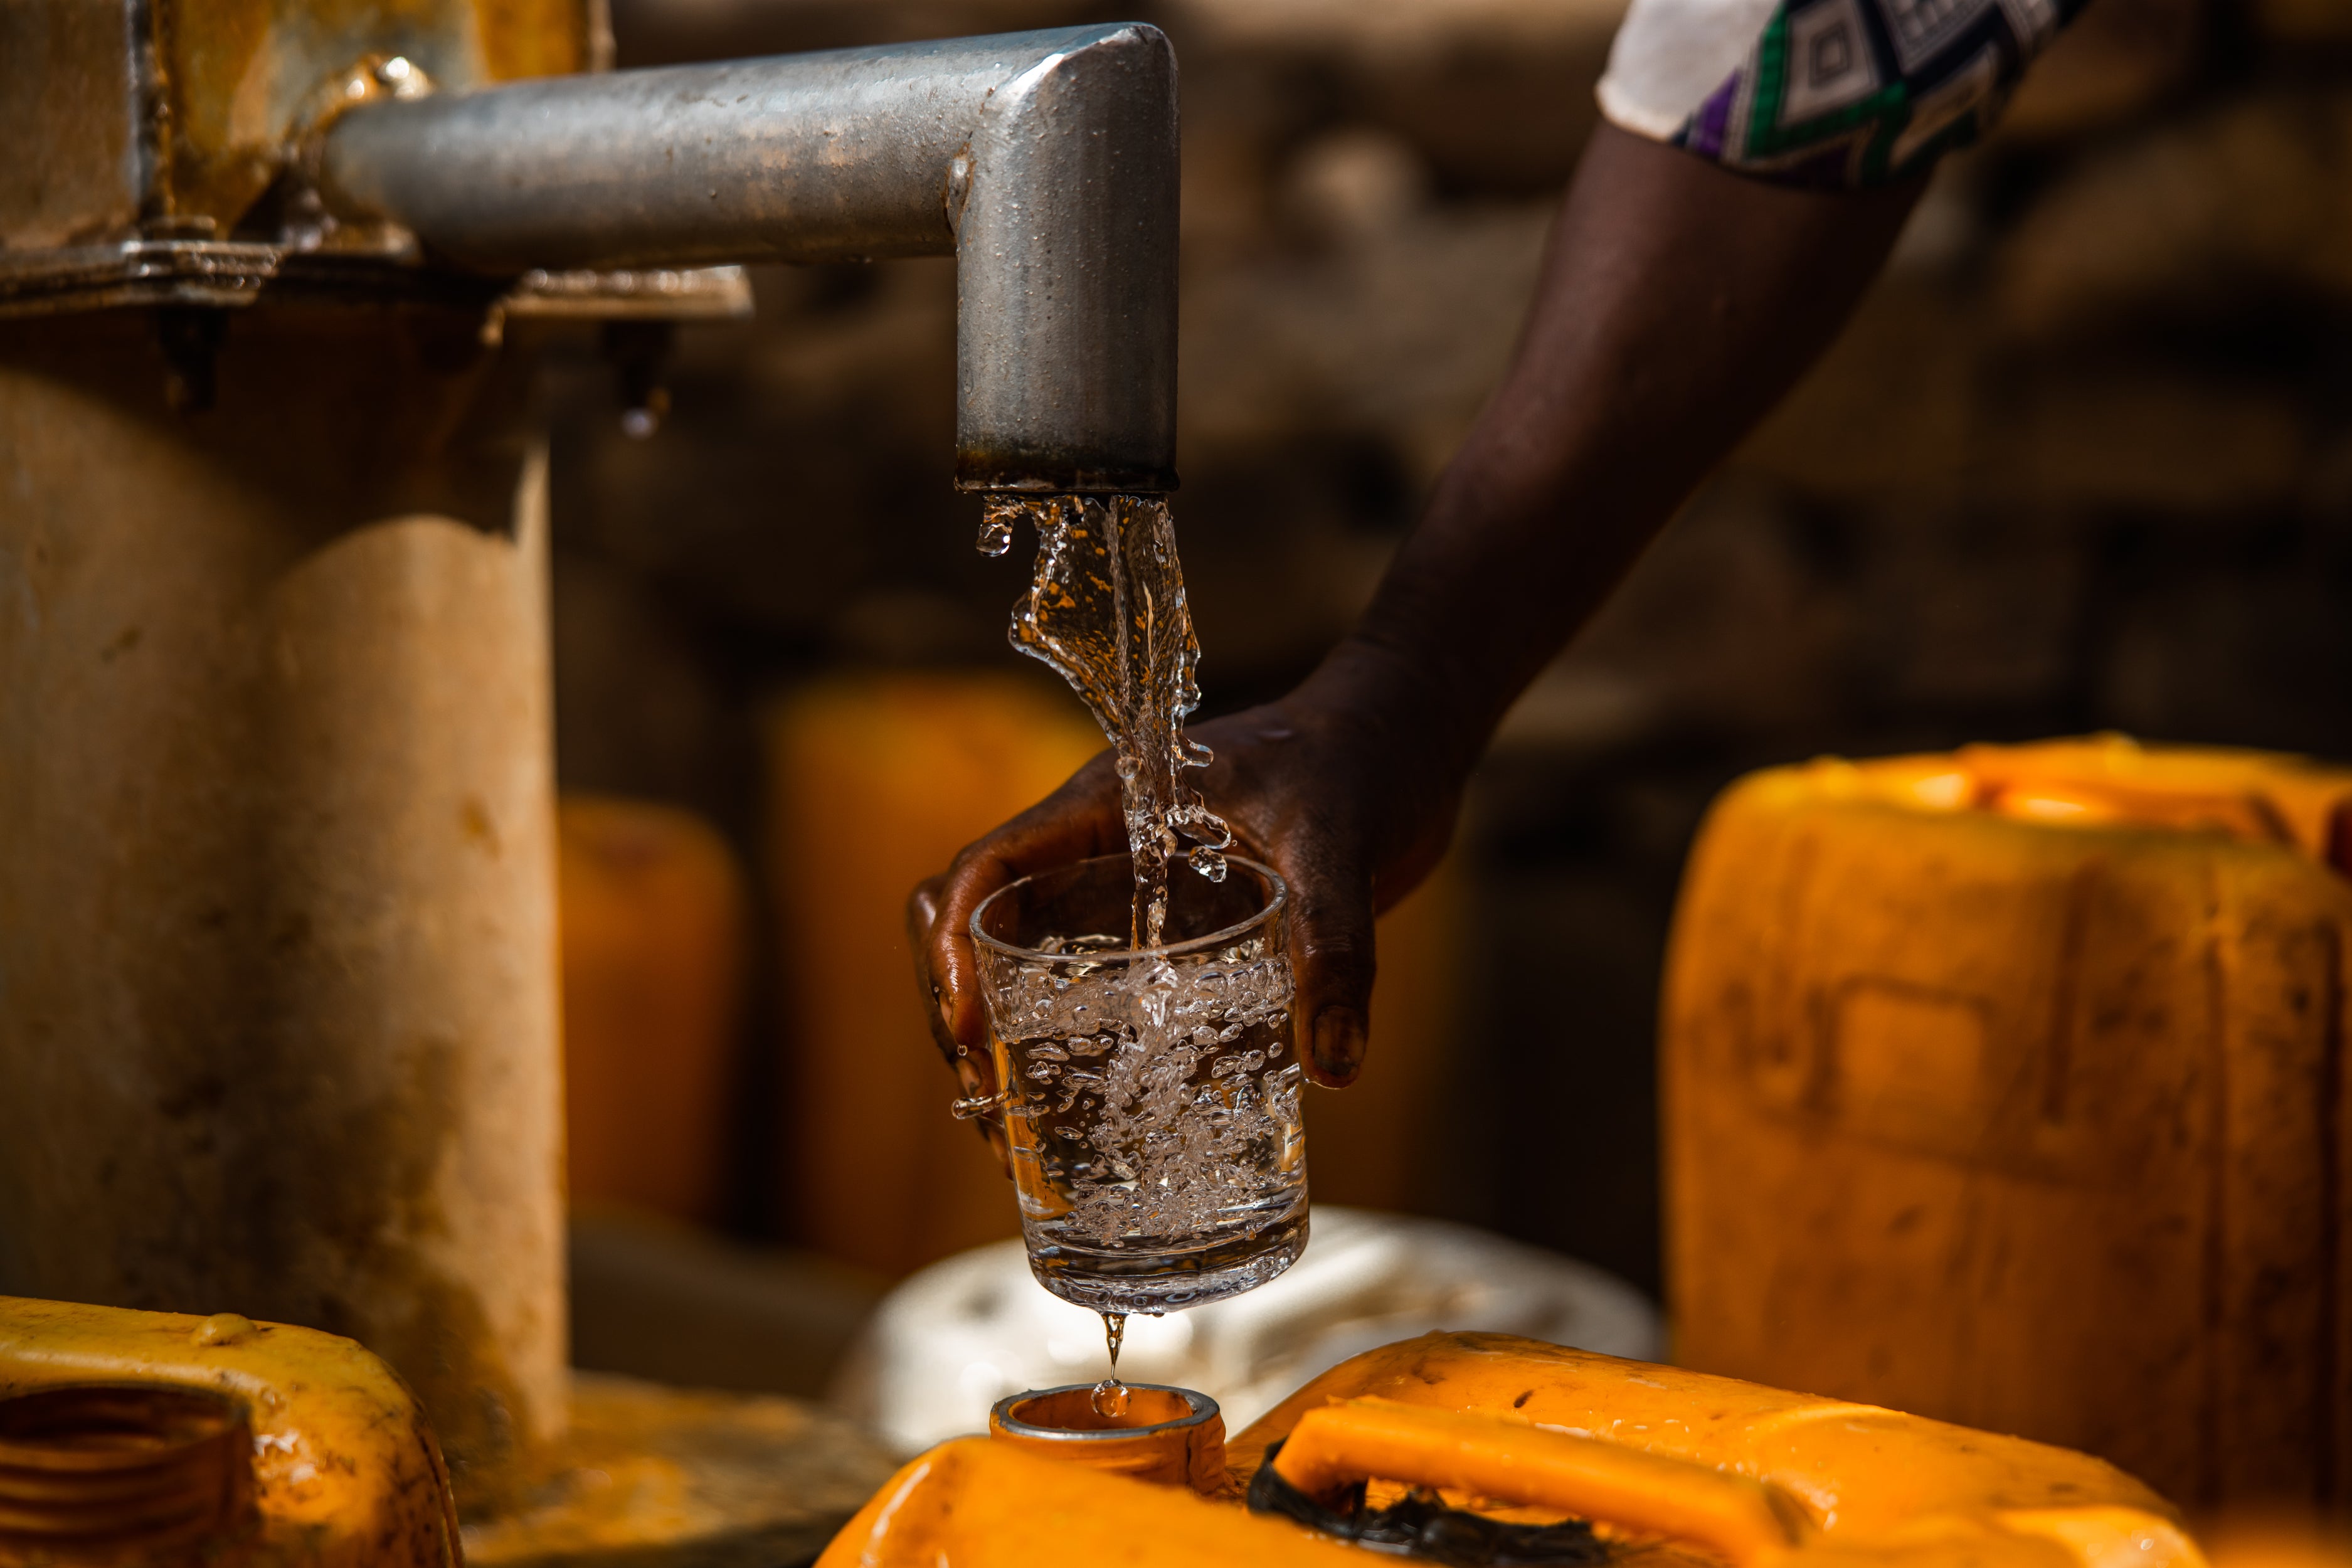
x=995, y=534
x=1106, y=608
x=1150, y=1116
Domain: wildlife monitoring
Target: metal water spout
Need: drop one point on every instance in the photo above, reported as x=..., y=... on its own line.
x=1045, y=163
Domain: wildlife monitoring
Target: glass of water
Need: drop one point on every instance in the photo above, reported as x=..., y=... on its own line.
x=1150, y=1097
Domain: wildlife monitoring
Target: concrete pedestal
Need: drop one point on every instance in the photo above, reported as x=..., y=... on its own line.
x=278, y=991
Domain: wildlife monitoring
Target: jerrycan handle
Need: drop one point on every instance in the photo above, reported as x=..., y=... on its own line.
x=1744, y=1520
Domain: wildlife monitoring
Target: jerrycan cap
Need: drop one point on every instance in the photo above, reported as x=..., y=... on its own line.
x=1175, y=1436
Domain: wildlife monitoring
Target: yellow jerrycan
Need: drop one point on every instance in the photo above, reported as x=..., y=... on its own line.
x=1480, y=1448
x=143, y=1439
x=2008, y=1086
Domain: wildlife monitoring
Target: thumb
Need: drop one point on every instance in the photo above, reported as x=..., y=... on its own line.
x=1331, y=961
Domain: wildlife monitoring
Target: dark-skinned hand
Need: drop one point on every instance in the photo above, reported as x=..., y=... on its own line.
x=1326, y=785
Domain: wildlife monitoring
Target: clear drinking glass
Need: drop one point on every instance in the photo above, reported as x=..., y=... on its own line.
x=1150, y=1097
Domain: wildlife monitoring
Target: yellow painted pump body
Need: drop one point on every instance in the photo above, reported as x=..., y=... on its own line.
x=2008, y=1086
x=1674, y=1465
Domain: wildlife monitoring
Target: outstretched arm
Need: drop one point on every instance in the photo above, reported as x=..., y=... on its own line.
x=1677, y=304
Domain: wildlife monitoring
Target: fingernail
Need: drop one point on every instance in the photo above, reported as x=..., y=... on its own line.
x=1339, y=1043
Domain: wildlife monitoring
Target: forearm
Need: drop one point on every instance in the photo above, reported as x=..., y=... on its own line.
x=1677, y=304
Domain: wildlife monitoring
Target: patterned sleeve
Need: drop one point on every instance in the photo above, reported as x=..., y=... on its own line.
x=1822, y=92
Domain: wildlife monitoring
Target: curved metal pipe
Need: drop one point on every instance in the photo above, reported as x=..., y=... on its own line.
x=1046, y=163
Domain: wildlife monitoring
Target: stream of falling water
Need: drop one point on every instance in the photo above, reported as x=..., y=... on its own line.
x=1106, y=608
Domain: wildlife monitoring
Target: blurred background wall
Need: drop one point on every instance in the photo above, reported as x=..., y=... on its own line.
x=2085, y=462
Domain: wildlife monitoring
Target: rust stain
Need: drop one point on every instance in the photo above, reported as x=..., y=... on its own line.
x=238, y=74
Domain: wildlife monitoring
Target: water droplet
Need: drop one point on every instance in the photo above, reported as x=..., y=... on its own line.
x=1110, y=1399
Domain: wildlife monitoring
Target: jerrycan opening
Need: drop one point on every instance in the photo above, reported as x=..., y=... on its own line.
x=1175, y=1437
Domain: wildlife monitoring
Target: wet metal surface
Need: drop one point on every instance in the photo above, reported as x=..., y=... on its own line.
x=168, y=133
x=240, y=75
x=233, y=274
x=172, y=118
